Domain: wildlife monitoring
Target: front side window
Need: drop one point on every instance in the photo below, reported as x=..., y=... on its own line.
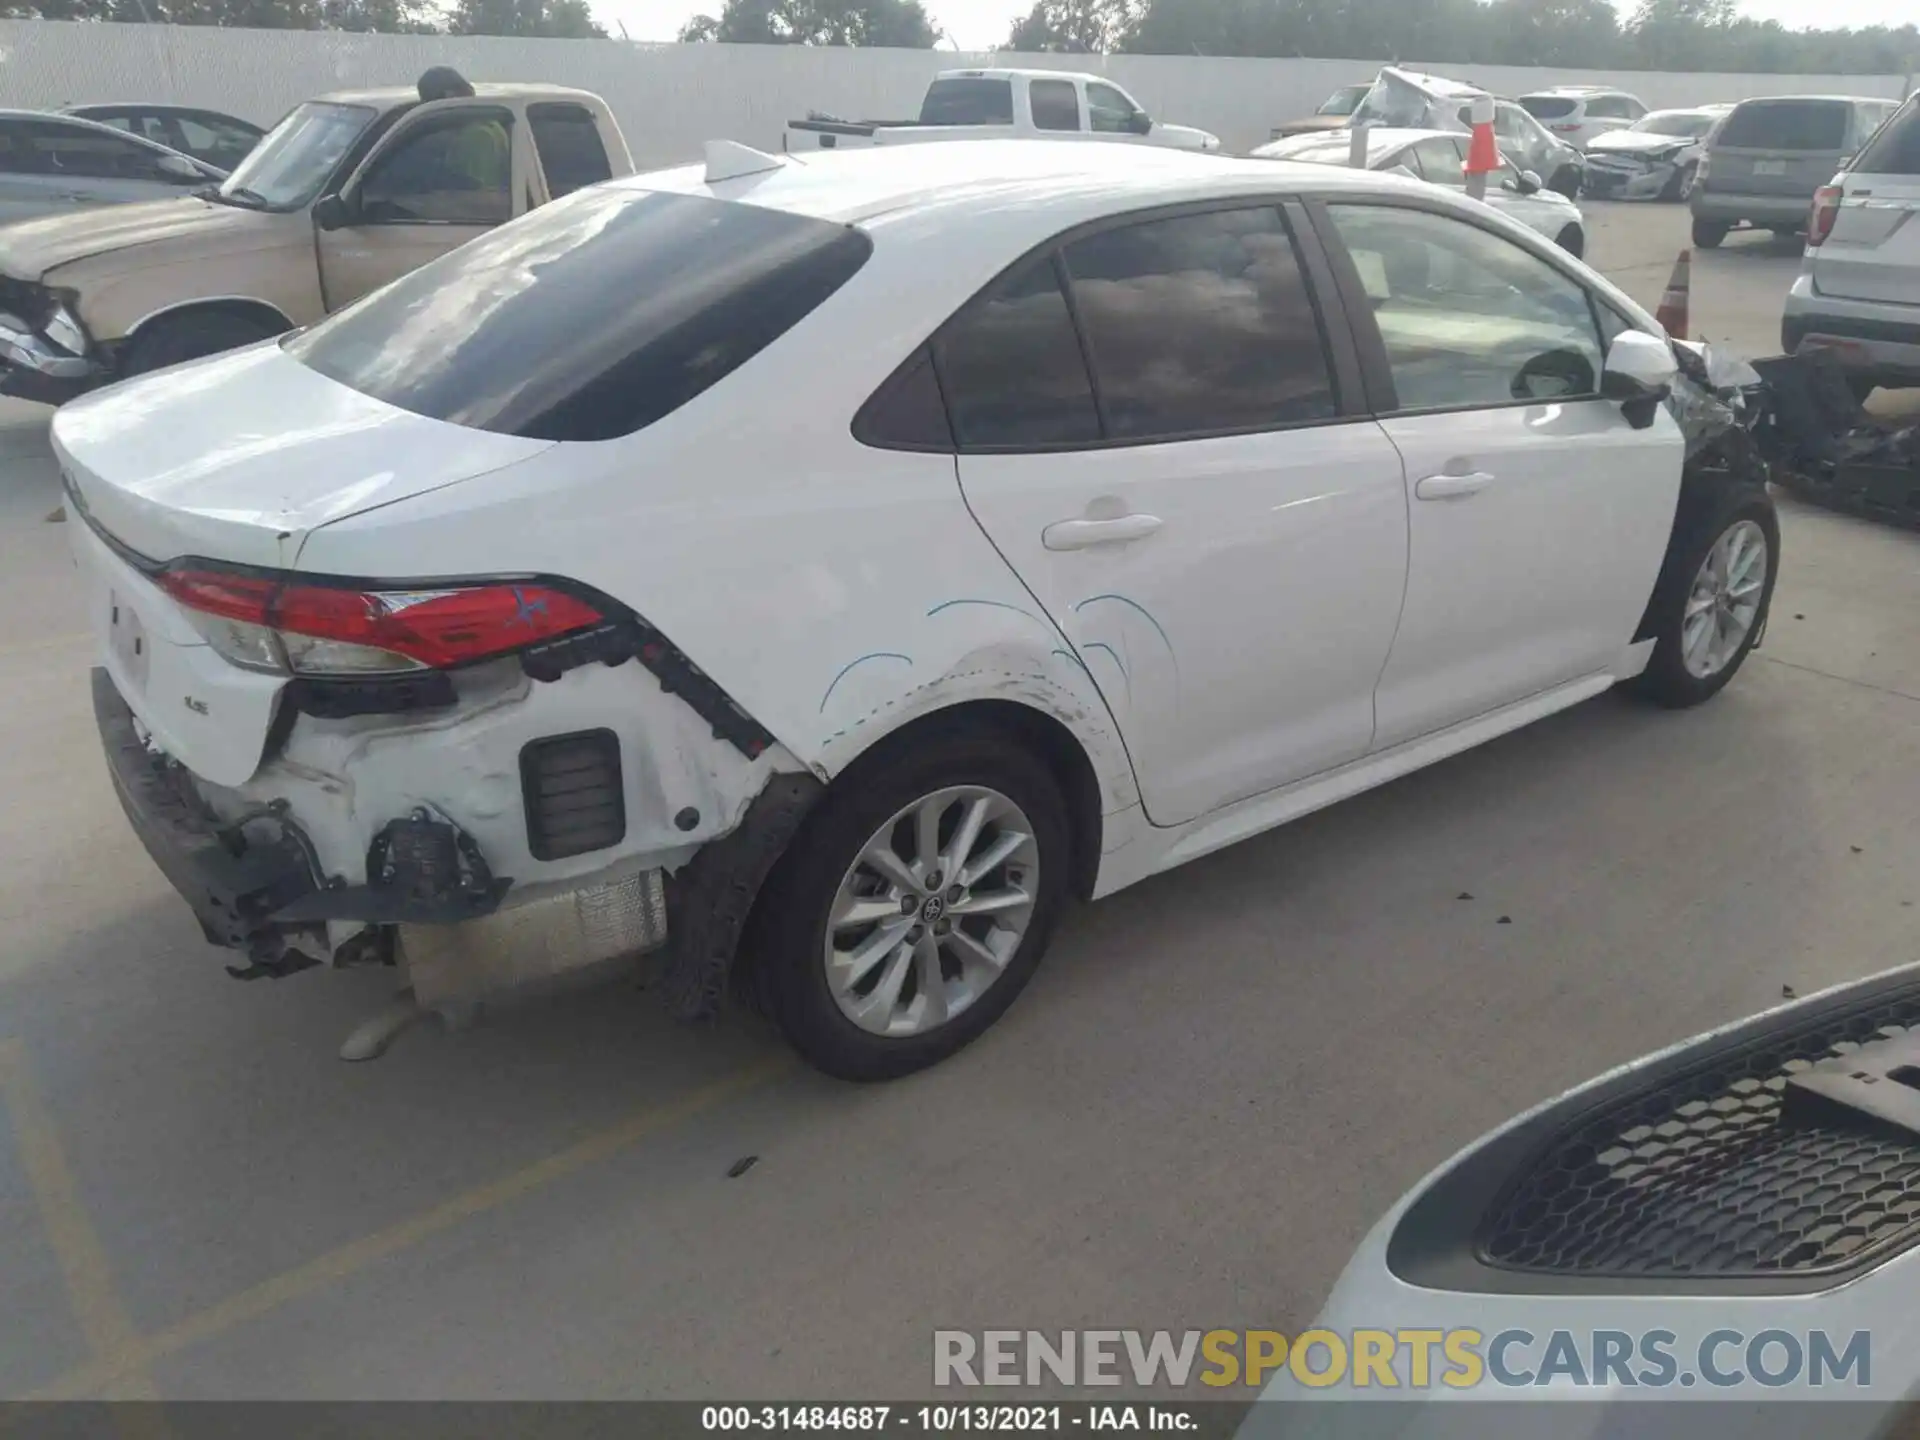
x=89, y=154
x=1110, y=112
x=298, y=156
x=455, y=169
x=590, y=317
x=1199, y=323
x=1056, y=105
x=1012, y=367
x=1469, y=319
x=1442, y=162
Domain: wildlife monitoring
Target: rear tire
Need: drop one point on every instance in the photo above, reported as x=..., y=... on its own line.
x=174, y=339
x=815, y=976
x=1708, y=234
x=1696, y=651
x=1572, y=241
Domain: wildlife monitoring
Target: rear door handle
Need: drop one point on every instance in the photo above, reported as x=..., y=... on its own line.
x=1452, y=487
x=1079, y=534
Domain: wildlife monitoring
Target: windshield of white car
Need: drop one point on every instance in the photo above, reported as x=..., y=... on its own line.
x=1683, y=124
x=298, y=156
x=968, y=100
x=588, y=318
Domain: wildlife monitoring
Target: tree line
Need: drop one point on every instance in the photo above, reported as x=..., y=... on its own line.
x=563, y=19
x=1583, y=34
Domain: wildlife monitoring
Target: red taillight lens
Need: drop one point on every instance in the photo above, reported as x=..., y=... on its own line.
x=272, y=623
x=1826, y=209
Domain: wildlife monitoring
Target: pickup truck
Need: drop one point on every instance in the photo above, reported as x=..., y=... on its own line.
x=346, y=193
x=996, y=104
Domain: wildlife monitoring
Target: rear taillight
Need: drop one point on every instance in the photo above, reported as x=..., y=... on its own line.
x=1826, y=209
x=1564, y=129
x=290, y=626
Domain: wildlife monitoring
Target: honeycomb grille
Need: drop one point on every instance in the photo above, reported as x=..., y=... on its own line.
x=574, y=794
x=1707, y=1176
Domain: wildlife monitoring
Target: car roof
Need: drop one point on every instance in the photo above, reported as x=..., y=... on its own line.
x=1823, y=99
x=1054, y=183
x=1381, y=140
x=158, y=107
x=410, y=94
x=63, y=118
x=1001, y=72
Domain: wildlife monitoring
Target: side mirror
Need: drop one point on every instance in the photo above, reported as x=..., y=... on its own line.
x=1528, y=182
x=1140, y=123
x=180, y=170
x=1639, y=374
x=330, y=212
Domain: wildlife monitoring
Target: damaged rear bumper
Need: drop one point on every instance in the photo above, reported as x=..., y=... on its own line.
x=254, y=883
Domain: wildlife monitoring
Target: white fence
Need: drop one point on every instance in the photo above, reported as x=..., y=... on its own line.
x=670, y=98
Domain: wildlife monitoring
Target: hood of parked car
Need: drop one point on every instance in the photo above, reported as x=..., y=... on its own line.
x=241, y=456
x=1311, y=125
x=1638, y=142
x=31, y=248
x=1185, y=137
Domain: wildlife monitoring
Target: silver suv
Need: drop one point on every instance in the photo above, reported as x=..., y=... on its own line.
x=1765, y=160
x=1858, y=292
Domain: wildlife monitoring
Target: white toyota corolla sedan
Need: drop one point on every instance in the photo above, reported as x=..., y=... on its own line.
x=880, y=550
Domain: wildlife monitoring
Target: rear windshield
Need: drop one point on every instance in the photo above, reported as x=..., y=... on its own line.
x=1691, y=124
x=589, y=318
x=1788, y=125
x=1896, y=149
x=974, y=100
x=1549, y=107
x=1344, y=101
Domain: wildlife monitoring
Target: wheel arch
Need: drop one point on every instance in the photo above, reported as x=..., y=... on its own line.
x=245, y=306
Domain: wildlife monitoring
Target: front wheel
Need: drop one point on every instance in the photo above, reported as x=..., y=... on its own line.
x=1710, y=603
x=1566, y=180
x=1680, y=184
x=914, y=906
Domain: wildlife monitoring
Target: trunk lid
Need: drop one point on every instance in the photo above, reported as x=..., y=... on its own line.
x=240, y=457
x=234, y=459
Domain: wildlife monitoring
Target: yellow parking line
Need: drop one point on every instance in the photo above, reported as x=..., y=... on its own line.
x=103, y=1319
x=134, y=1355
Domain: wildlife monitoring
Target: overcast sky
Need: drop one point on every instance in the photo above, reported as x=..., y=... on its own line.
x=983, y=24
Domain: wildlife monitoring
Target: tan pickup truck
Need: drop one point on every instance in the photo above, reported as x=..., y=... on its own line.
x=347, y=192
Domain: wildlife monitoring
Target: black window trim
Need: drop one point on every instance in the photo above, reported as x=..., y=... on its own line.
x=1343, y=361
x=357, y=177
x=1378, y=374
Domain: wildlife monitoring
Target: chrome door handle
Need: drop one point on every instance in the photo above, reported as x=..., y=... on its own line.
x=1452, y=487
x=1079, y=534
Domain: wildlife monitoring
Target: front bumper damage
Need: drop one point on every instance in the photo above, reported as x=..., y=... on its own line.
x=1611, y=177
x=35, y=368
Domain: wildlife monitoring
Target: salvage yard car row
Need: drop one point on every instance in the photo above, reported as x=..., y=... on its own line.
x=935, y=535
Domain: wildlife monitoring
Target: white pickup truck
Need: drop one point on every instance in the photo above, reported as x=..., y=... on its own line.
x=995, y=104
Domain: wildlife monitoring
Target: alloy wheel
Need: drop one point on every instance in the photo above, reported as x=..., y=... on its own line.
x=1724, y=600
x=931, y=912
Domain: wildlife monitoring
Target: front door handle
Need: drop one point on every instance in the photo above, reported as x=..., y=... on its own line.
x=1079, y=534
x=1452, y=487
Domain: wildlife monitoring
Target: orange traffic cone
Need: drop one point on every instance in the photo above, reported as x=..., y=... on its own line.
x=1483, y=157
x=1673, y=305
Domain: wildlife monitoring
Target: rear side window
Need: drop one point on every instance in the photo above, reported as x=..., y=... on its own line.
x=1056, y=105
x=18, y=156
x=1198, y=324
x=1609, y=107
x=968, y=100
x=1787, y=125
x=1896, y=149
x=1012, y=367
x=1550, y=107
x=589, y=318
x=569, y=145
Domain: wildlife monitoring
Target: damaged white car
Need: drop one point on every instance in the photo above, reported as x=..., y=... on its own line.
x=856, y=558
